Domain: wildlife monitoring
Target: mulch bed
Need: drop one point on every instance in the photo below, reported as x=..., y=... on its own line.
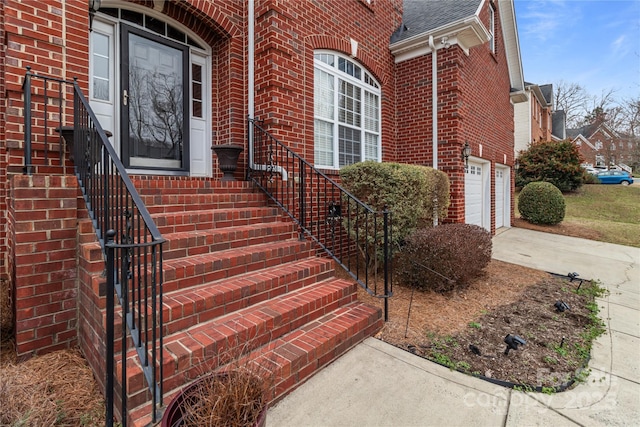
x=507, y=299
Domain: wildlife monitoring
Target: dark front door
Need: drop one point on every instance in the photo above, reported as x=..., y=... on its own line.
x=155, y=133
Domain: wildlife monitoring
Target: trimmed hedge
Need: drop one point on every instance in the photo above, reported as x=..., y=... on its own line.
x=412, y=193
x=444, y=258
x=541, y=203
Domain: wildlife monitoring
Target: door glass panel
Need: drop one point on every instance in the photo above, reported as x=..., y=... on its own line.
x=196, y=90
x=100, y=78
x=156, y=90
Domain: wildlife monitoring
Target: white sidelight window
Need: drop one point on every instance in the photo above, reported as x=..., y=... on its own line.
x=346, y=112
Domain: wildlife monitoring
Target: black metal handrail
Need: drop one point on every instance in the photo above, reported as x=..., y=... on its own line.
x=356, y=236
x=49, y=85
x=130, y=240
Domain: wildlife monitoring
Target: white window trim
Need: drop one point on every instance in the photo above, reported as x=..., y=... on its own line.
x=492, y=28
x=337, y=74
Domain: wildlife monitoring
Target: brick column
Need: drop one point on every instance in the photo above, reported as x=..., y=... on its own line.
x=44, y=211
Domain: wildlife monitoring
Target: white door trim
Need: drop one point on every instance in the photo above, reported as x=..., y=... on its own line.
x=200, y=161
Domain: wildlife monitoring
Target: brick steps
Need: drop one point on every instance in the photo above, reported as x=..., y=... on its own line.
x=169, y=203
x=288, y=361
x=182, y=273
x=202, y=303
x=205, y=346
x=239, y=286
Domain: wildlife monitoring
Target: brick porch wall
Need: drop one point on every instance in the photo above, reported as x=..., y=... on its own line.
x=44, y=211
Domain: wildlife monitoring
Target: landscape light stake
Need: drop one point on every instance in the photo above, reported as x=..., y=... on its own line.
x=573, y=276
x=513, y=341
x=406, y=328
x=561, y=306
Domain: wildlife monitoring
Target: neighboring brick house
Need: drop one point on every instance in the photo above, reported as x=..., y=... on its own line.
x=602, y=147
x=537, y=120
x=534, y=118
x=336, y=81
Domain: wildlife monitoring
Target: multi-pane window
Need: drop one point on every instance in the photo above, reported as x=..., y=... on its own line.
x=346, y=112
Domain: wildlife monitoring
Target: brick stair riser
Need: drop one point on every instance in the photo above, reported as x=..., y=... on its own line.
x=155, y=185
x=185, y=202
x=216, y=266
x=207, y=220
x=196, y=243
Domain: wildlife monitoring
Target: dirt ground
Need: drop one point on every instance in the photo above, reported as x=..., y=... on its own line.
x=466, y=330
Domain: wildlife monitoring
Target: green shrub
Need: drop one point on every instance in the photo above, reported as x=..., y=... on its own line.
x=541, y=203
x=412, y=193
x=590, y=179
x=445, y=257
x=554, y=162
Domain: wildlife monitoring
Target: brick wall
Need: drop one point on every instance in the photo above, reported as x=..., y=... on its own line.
x=540, y=120
x=4, y=248
x=44, y=212
x=287, y=32
x=487, y=113
x=473, y=105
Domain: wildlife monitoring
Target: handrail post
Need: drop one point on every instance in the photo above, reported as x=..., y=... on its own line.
x=302, y=194
x=385, y=249
x=109, y=356
x=28, y=167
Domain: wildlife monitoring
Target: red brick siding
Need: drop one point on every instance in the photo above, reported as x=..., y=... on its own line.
x=4, y=247
x=44, y=211
x=473, y=106
x=540, y=121
x=287, y=34
x=487, y=116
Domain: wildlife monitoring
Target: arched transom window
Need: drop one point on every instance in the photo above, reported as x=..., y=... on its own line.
x=346, y=112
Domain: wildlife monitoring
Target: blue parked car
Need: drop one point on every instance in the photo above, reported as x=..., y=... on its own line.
x=615, y=177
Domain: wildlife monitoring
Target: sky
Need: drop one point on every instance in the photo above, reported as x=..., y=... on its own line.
x=594, y=43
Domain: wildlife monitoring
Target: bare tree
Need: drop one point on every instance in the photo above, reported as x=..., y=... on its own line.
x=574, y=100
x=631, y=127
x=630, y=111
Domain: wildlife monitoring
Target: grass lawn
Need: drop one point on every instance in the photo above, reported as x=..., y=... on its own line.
x=611, y=212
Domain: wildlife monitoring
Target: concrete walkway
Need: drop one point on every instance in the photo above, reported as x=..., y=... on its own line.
x=376, y=384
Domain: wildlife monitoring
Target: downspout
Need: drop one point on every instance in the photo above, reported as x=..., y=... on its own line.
x=434, y=113
x=251, y=95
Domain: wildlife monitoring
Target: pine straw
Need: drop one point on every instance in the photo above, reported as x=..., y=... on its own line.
x=6, y=309
x=446, y=314
x=54, y=389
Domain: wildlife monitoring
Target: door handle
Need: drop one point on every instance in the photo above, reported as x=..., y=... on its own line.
x=125, y=97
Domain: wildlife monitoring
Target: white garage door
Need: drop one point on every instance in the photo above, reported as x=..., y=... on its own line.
x=500, y=180
x=473, y=197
